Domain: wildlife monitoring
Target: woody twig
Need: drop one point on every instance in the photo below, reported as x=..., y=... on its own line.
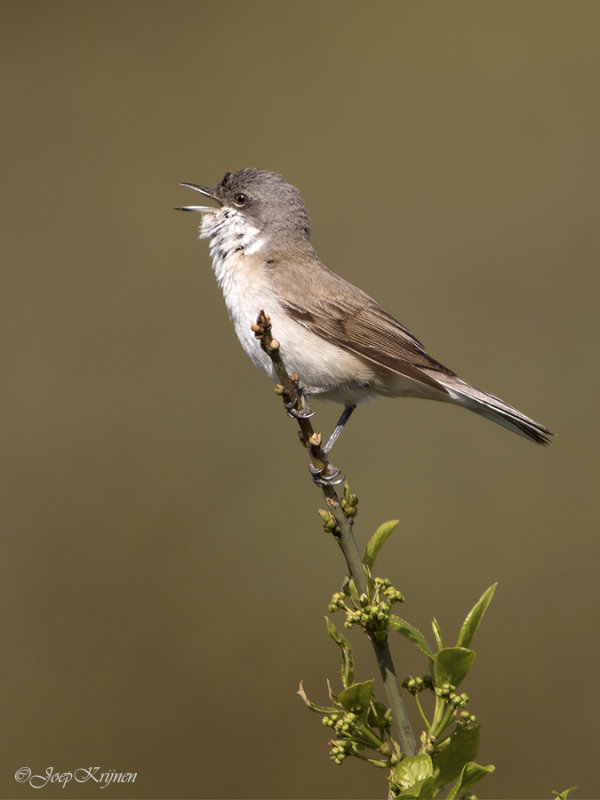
x=343, y=514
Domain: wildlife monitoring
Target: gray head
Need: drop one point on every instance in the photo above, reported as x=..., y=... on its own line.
x=262, y=198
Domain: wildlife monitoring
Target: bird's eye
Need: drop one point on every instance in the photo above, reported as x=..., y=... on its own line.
x=240, y=199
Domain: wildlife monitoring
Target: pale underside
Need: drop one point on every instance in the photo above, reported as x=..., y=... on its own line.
x=343, y=345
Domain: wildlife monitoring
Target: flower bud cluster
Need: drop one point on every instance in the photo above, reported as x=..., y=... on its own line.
x=339, y=750
x=416, y=685
x=349, y=504
x=384, y=585
x=344, y=724
x=445, y=690
x=337, y=602
x=372, y=616
x=329, y=523
x=459, y=700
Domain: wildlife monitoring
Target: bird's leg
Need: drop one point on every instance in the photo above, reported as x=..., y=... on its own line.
x=331, y=475
x=344, y=417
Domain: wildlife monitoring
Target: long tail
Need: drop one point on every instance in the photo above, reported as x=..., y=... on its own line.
x=491, y=407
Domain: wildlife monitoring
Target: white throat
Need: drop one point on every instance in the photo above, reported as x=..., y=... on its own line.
x=242, y=278
x=231, y=236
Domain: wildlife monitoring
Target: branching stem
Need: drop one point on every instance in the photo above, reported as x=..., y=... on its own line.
x=296, y=404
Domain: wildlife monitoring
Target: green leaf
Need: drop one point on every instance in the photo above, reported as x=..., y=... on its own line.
x=451, y=665
x=473, y=618
x=411, y=771
x=350, y=590
x=377, y=541
x=364, y=737
x=411, y=633
x=437, y=632
x=347, y=657
x=332, y=695
x=380, y=716
x=470, y=775
x=314, y=706
x=422, y=790
x=564, y=794
x=455, y=752
x=357, y=698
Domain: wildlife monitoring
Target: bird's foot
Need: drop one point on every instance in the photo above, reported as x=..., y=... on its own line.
x=299, y=413
x=298, y=408
x=330, y=475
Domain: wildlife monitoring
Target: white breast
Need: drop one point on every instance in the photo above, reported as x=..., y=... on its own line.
x=323, y=367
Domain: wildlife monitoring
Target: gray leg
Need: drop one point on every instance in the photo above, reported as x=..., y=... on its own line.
x=344, y=417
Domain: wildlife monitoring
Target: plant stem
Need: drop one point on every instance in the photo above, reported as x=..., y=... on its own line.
x=347, y=543
x=392, y=689
x=344, y=534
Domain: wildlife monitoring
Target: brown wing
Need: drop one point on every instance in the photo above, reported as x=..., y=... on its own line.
x=340, y=312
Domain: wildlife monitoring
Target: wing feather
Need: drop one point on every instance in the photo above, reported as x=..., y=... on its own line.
x=341, y=313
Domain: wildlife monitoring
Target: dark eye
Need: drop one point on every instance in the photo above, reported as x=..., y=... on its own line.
x=240, y=199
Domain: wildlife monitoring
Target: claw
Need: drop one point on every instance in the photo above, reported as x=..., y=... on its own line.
x=330, y=476
x=296, y=414
x=304, y=411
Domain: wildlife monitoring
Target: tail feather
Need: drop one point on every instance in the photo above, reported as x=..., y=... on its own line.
x=494, y=409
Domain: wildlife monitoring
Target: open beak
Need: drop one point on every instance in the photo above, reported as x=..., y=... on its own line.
x=205, y=190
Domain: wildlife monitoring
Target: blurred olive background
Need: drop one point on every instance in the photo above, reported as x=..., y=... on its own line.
x=164, y=573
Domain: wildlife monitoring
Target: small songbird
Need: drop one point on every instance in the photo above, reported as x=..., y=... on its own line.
x=342, y=344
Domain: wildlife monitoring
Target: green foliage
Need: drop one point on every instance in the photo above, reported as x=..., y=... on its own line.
x=473, y=618
x=413, y=777
x=445, y=764
x=377, y=541
x=347, y=657
x=470, y=774
x=451, y=665
x=453, y=753
x=564, y=794
x=411, y=633
x=362, y=726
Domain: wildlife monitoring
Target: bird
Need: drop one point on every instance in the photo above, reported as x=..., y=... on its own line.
x=342, y=344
